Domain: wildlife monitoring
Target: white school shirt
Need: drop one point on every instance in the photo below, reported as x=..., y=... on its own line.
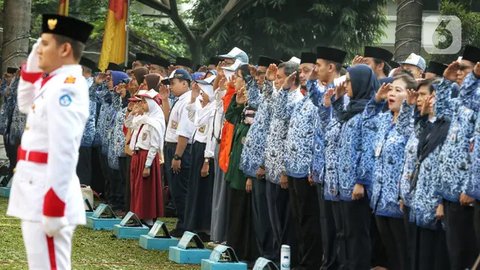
x=180, y=122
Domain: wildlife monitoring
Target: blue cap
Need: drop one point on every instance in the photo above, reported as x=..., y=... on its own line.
x=179, y=74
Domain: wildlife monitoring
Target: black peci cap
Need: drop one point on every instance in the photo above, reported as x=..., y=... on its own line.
x=89, y=64
x=331, y=54
x=183, y=61
x=66, y=26
x=12, y=70
x=160, y=61
x=471, y=53
x=377, y=52
x=308, y=57
x=393, y=64
x=214, y=60
x=436, y=68
x=143, y=57
x=265, y=61
x=113, y=66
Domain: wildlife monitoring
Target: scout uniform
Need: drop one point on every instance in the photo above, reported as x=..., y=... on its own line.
x=46, y=193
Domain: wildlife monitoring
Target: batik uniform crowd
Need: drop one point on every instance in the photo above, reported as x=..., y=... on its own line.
x=373, y=165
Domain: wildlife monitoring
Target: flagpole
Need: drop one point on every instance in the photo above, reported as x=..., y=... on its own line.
x=127, y=33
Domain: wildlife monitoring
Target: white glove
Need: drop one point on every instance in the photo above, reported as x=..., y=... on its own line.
x=32, y=60
x=52, y=225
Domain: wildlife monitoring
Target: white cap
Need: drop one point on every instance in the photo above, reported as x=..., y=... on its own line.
x=236, y=53
x=148, y=94
x=416, y=60
x=295, y=60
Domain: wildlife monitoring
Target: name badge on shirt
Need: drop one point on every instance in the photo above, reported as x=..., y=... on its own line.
x=144, y=136
x=202, y=129
x=174, y=125
x=378, y=149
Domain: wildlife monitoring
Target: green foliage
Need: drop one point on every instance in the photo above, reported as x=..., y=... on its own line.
x=278, y=27
x=162, y=35
x=470, y=25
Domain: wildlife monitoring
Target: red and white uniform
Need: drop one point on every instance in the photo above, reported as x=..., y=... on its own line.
x=45, y=192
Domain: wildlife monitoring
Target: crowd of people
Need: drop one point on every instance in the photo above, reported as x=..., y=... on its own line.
x=371, y=165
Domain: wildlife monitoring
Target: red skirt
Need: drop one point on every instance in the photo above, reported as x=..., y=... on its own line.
x=146, y=194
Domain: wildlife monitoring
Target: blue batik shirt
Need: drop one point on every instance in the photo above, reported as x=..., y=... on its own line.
x=303, y=131
x=253, y=154
x=389, y=148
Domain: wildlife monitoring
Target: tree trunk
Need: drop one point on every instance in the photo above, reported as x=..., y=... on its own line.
x=408, y=33
x=16, y=31
x=196, y=49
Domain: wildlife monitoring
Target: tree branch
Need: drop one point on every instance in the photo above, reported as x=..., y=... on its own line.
x=189, y=36
x=160, y=5
x=232, y=8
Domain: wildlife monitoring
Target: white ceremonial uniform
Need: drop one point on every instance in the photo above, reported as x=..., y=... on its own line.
x=180, y=122
x=45, y=185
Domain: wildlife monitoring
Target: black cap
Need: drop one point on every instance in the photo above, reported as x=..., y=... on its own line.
x=160, y=61
x=115, y=67
x=66, y=26
x=436, y=67
x=471, y=53
x=308, y=57
x=143, y=57
x=89, y=64
x=379, y=53
x=265, y=61
x=214, y=60
x=11, y=70
x=331, y=54
x=183, y=61
x=393, y=64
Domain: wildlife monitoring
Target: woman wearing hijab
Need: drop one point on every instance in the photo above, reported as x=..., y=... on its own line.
x=393, y=129
x=240, y=231
x=145, y=174
x=198, y=211
x=355, y=251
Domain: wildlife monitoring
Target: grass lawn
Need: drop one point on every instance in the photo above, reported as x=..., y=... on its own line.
x=91, y=249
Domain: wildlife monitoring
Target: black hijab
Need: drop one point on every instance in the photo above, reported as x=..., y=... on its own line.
x=364, y=84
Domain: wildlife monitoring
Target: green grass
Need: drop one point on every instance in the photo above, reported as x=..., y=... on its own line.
x=91, y=249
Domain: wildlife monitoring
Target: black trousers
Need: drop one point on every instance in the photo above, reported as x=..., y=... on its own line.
x=356, y=227
x=98, y=179
x=240, y=234
x=84, y=165
x=306, y=214
x=462, y=249
x=330, y=235
x=107, y=176
x=125, y=176
x=262, y=226
x=379, y=254
x=476, y=222
x=11, y=151
x=281, y=220
x=392, y=232
x=177, y=183
x=411, y=234
x=117, y=190
x=429, y=249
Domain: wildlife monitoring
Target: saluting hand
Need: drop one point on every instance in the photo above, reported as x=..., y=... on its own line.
x=358, y=60
x=272, y=72
x=327, y=97
x=412, y=96
x=476, y=70
x=427, y=106
x=289, y=81
x=450, y=72
x=382, y=92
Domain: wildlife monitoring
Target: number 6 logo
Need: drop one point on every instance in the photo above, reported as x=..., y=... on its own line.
x=442, y=34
